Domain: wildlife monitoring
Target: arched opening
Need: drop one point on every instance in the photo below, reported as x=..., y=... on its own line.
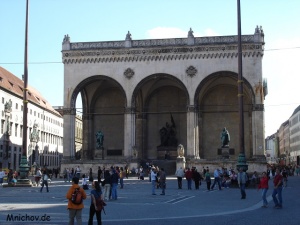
x=216, y=99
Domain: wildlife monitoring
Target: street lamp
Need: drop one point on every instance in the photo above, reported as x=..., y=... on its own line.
x=24, y=167
x=242, y=158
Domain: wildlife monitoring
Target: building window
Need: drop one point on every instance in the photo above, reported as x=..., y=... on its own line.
x=22, y=107
x=2, y=126
x=30, y=111
x=21, y=131
x=10, y=127
x=16, y=105
x=16, y=130
x=2, y=100
x=34, y=113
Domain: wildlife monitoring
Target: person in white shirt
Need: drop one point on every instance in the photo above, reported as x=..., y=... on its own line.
x=2, y=175
x=45, y=178
x=217, y=179
x=179, y=174
x=153, y=180
x=85, y=185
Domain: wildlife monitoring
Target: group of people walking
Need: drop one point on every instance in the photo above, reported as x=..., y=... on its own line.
x=241, y=178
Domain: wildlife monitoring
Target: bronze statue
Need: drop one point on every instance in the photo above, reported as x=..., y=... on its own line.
x=225, y=138
x=99, y=138
x=168, y=134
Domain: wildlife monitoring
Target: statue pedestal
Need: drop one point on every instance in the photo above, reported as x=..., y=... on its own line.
x=99, y=153
x=225, y=152
x=180, y=162
x=169, y=150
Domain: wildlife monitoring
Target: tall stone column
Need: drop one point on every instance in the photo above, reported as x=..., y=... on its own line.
x=69, y=134
x=192, y=148
x=258, y=131
x=87, y=144
x=129, y=132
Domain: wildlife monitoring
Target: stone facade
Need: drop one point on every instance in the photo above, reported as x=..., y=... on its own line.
x=130, y=89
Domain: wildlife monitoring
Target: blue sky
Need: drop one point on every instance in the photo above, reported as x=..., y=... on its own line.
x=98, y=20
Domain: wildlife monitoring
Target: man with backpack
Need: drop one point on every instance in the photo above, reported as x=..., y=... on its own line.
x=75, y=195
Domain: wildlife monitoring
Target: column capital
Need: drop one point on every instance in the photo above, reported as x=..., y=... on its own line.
x=129, y=110
x=69, y=111
x=258, y=107
x=191, y=108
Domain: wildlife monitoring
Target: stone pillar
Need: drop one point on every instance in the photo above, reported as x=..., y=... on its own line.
x=129, y=134
x=69, y=133
x=87, y=144
x=192, y=148
x=258, y=131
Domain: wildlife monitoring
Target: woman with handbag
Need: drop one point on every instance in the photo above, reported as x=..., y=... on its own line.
x=96, y=193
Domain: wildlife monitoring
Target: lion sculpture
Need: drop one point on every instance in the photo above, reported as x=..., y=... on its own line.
x=180, y=151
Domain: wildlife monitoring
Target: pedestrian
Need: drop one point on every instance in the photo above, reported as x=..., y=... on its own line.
x=297, y=170
x=99, y=174
x=208, y=179
x=188, y=176
x=122, y=175
x=45, y=178
x=2, y=175
x=216, y=179
x=179, y=174
x=106, y=183
x=84, y=182
x=277, y=192
x=38, y=176
x=75, y=210
x=153, y=177
x=95, y=194
x=114, y=184
x=91, y=178
x=197, y=178
x=78, y=171
x=162, y=180
x=264, y=186
x=242, y=179
x=66, y=174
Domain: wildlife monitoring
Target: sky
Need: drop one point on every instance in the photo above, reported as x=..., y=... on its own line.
x=99, y=20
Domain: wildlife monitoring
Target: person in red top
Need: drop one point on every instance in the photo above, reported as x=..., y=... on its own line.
x=264, y=186
x=277, y=192
x=188, y=177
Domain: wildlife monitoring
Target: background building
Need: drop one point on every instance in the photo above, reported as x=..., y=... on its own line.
x=45, y=126
x=294, y=121
x=285, y=143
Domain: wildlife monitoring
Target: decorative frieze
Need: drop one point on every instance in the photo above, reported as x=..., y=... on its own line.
x=160, y=42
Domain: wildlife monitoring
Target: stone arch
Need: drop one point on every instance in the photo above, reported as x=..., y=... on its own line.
x=216, y=102
x=157, y=99
x=103, y=103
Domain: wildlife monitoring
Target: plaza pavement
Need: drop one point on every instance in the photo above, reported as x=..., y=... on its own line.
x=136, y=205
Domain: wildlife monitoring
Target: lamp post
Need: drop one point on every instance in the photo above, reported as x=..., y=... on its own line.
x=242, y=158
x=24, y=167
